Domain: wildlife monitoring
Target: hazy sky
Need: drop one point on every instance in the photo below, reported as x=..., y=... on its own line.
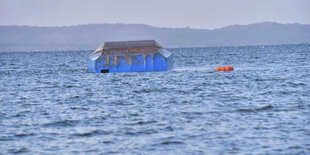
x=208, y=14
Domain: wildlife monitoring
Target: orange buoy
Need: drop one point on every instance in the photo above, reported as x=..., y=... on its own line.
x=226, y=68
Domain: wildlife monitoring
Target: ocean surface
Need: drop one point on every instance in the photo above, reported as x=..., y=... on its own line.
x=50, y=104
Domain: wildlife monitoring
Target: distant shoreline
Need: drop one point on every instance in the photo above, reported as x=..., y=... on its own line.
x=88, y=50
x=111, y=24
x=85, y=37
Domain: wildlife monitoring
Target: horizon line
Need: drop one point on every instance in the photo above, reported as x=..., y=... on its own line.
x=226, y=46
x=187, y=27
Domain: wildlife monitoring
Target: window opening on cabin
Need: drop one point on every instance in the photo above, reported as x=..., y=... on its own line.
x=104, y=71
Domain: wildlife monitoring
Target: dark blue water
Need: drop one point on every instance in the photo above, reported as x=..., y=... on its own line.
x=49, y=103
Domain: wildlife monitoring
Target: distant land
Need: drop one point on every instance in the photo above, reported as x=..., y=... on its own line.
x=89, y=37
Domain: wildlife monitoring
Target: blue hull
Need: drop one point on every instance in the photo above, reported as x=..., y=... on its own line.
x=125, y=63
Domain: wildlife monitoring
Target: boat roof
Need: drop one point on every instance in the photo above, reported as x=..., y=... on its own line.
x=129, y=44
x=125, y=45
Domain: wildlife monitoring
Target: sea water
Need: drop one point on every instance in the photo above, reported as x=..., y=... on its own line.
x=49, y=103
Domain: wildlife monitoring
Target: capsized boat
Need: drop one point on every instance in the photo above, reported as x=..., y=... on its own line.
x=130, y=56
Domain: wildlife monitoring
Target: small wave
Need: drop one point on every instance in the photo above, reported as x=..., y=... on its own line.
x=296, y=84
x=142, y=132
x=120, y=102
x=171, y=142
x=149, y=90
x=245, y=110
x=2, y=115
x=24, y=135
x=268, y=107
x=142, y=122
x=107, y=142
x=6, y=138
x=143, y=91
x=19, y=115
x=192, y=113
x=79, y=108
x=69, y=86
x=92, y=133
x=20, y=150
x=240, y=68
x=192, y=69
x=64, y=123
x=264, y=108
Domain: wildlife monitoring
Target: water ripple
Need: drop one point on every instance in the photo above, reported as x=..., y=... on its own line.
x=50, y=104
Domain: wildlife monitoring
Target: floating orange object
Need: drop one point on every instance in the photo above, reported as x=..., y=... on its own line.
x=226, y=68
